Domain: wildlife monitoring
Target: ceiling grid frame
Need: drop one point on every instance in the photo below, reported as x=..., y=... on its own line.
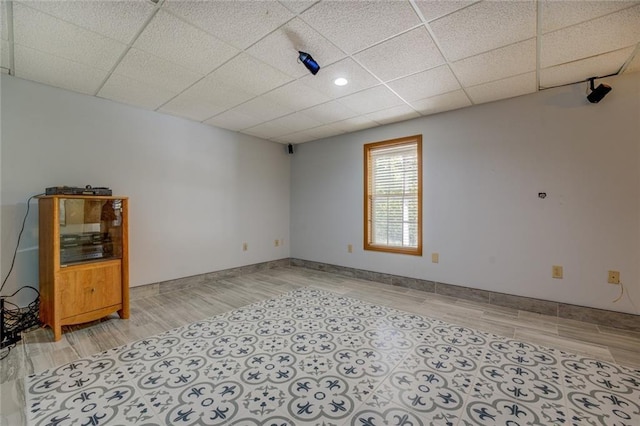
x=563, y=69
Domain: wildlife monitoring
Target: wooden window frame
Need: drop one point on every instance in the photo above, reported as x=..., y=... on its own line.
x=415, y=251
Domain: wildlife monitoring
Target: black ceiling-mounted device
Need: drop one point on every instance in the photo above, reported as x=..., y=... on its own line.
x=597, y=93
x=309, y=62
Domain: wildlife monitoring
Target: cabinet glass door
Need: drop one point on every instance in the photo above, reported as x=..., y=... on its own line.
x=90, y=230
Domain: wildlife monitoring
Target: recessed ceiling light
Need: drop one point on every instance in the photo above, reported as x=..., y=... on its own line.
x=340, y=81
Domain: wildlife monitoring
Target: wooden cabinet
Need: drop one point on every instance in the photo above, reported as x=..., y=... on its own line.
x=84, y=262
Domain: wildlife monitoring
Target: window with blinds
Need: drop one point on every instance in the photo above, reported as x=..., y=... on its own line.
x=393, y=195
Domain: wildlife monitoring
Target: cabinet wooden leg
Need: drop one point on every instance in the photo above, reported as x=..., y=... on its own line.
x=57, y=332
x=124, y=313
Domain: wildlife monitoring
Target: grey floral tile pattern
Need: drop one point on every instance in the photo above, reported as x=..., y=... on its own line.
x=311, y=357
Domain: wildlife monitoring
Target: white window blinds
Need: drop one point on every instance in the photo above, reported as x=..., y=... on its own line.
x=394, y=195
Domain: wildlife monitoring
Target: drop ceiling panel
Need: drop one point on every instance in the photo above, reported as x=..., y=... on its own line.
x=371, y=100
x=433, y=9
x=496, y=64
x=126, y=90
x=425, y=84
x=581, y=70
x=620, y=29
x=559, y=14
x=503, y=89
x=422, y=54
x=441, y=103
x=239, y=23
x=329, y=112
x=262, y=109
x=267, y=130
x=233, y=120
x=280, y=48
x=155, y=71
x=298, y=6
x=250, y=75
x=323, y=131
x=353, y=26
x=119, y=20
x=165, y=37
x=296, y=95
x=484, y=26
x=47, y=34
x=295, y=138
x=212, y=91
x=358, y=77
x=37, y=66
x=356, y=123
x=295, y=122
x=393, y=115
x=191, y=105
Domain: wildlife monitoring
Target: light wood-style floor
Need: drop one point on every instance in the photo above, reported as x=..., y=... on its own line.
x=159, y=313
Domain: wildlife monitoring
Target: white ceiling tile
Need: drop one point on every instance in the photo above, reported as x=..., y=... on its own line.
x=433, y=9
x=126, y=90
x=324, y=131
x=606, y=64
x=371, y=100
x=558, y=14
x=45, y=33
x=356, y=123
x=37, y=66
x=233, y=120
x=211, y=90
x=503, y=89
x=250, y=75
x=280, y=48
x=393, y=115
x=611, y=32
x=119, y=20
x=496, y=64
x=441, y=103
x=425, y=84
x=295, y=122
x=484, y=26
x=262, y=109
x=329, y=112
x=239, y=23
x=298, y=6
x=191, y=105
x=4, y=54
x=358, y=77
x=154, y=71
x=294, y=138
x=266, y=130
x=634, y=65
x=355, y=25
x=296, y=95
x=165, y=37
x=412, y=52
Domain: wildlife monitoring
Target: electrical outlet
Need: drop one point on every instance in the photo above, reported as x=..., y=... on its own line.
x=350, y=248
x=245, y=246
x=435, y=258
x=276, y=243
x=556, y=272
x=614, y=277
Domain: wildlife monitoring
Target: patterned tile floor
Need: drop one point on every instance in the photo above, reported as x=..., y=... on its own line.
x=312, y=357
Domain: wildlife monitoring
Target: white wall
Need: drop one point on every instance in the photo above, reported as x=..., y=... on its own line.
x=483, y=169
x=196, y=192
